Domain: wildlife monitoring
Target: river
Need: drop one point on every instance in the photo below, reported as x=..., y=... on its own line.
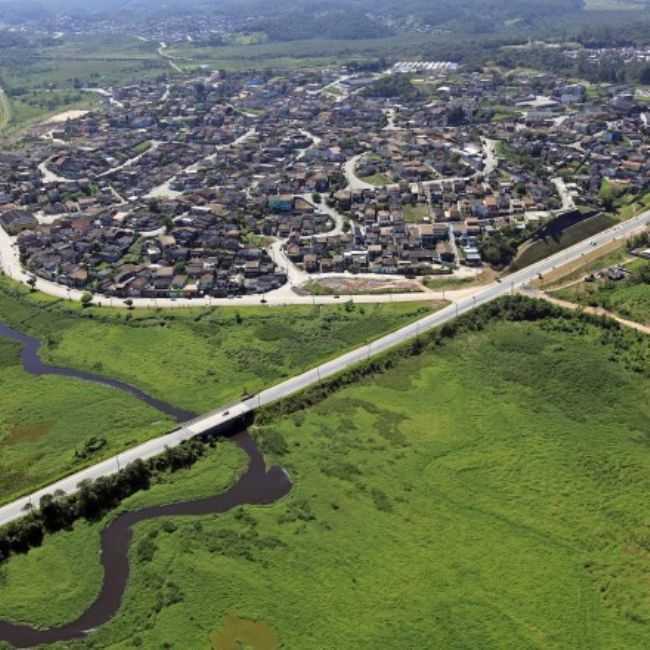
x=257, y=486
x=33, y=365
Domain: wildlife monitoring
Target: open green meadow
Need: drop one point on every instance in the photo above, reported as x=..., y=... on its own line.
x=298, y=54
x=197, y=359
x=40, y=83
x=416, y=213
x=52, y=426
x=490, y=492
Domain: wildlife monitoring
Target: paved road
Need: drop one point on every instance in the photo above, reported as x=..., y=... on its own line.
x=11, y=266
x=490, y=163
x=164, y=190
x=207, y=422
x=568, y=202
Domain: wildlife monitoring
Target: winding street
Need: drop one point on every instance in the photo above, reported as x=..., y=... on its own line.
x=491, y=162
x=164, y=189
x=209, y=422
x=50, y=176
x=168, y=57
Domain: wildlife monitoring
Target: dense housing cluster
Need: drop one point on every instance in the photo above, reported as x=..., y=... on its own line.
x=227, y=184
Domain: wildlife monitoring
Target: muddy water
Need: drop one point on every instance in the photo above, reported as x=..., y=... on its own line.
x=257, y=486
x=33, y=365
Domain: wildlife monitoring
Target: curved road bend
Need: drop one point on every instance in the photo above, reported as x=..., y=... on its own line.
x=203, y=424
x=257, y=486
x=33, y=365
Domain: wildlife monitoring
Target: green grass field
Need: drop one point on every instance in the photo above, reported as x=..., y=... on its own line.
x=36, y=107
x=379, y=180
x=440, y=282
x=416, y=213
x=311, y=53
x=5, y=110
x=44, y=420
x=475, y=496
x=197, y=358
x=316, y=288
x=628, y=298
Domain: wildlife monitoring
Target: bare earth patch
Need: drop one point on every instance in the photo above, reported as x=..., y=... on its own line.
x=240, y=633
x=352, y=286
x=27, y=433
x=65, y=116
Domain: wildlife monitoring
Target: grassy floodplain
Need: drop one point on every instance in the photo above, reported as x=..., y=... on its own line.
x=197, y=358
x=211, y=475
x=47, y=425
x=476, y=495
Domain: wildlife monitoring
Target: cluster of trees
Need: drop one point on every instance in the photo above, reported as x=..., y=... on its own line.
x=17, y=11
x=393, y=86
x=610, y=193
x=500, y=247
x=59, y=511
x=639, y=241
x=642, y=275
x=488, y=14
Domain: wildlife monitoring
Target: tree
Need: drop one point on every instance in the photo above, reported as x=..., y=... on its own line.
x=316, y=197
x=55, y=513
x=86, y=299
x=32, y=282
x=456, y=116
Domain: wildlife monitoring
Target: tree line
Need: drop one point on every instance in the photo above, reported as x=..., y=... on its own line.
x=58, y=511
